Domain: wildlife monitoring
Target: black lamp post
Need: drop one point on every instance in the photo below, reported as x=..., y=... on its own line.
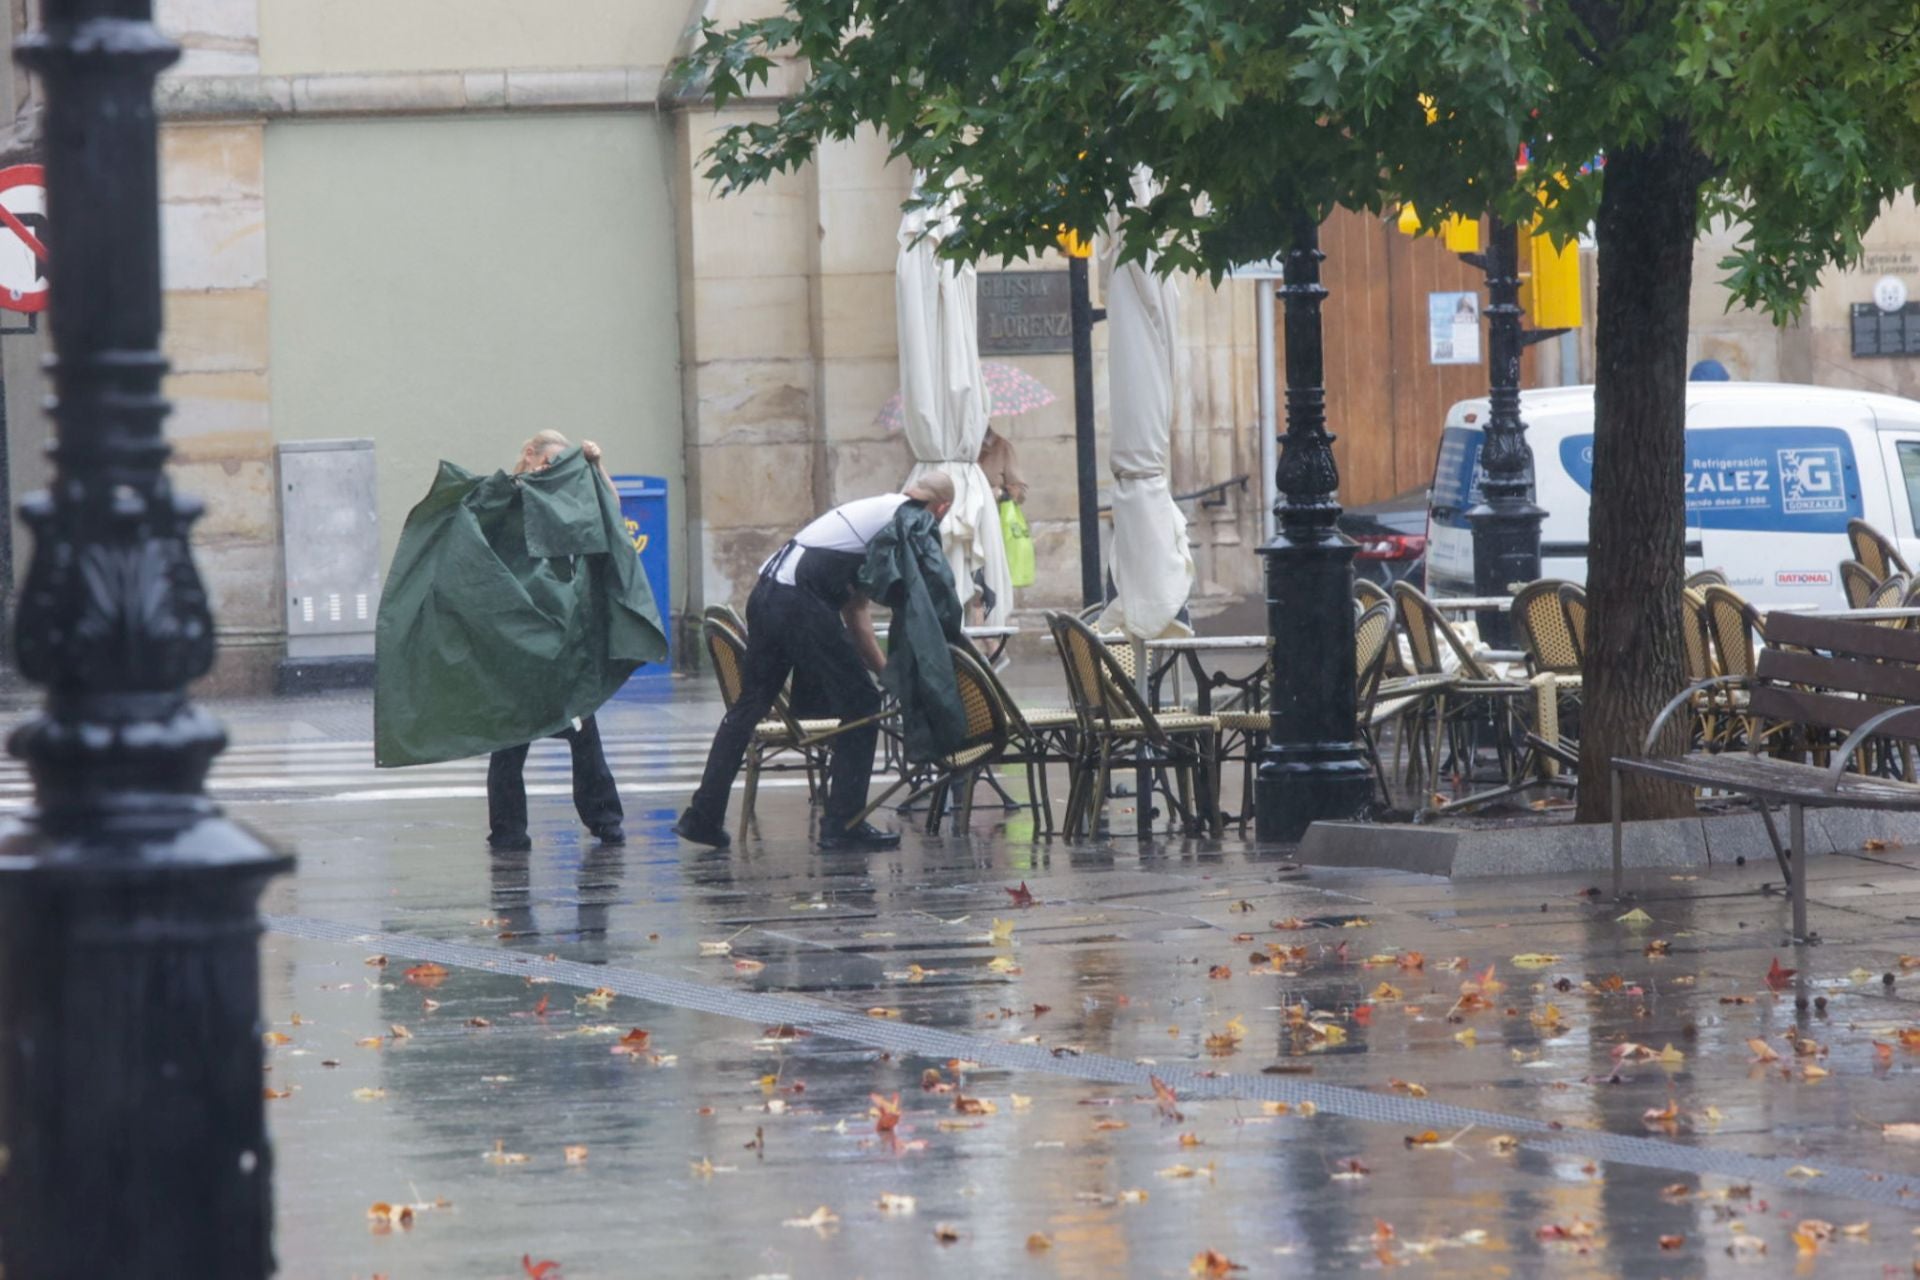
x=1312, y=767
x=1506, y=523
x=130, y=1058
x=1084, y=316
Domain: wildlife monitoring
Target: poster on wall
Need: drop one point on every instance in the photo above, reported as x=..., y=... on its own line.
x=1453, y=328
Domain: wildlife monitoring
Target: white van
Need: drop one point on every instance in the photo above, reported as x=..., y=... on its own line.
x=1773, y=474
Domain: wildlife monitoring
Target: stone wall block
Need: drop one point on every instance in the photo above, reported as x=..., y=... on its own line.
x=213, y=246
x=752, y=318
x=212, y=163
x=752, y=402
x=221, y=331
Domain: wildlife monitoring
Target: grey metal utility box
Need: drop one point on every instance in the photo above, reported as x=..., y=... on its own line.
x=330, y=537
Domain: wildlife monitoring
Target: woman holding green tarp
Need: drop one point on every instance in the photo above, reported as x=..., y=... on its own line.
x=514, y=609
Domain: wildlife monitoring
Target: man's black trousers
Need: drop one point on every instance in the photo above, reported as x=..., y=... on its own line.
x=595, y=796
x=789, y=627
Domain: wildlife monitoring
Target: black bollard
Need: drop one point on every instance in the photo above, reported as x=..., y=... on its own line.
x=132, y=1137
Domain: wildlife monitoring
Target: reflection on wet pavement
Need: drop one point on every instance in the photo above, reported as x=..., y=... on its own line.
x=728, y=1146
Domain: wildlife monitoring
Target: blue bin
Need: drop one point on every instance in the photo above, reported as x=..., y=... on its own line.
x=643, y=502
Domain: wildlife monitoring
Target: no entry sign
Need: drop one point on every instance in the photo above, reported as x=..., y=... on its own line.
x=23, y=228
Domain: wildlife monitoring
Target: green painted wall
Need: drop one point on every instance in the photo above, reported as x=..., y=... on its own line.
x=449, y=287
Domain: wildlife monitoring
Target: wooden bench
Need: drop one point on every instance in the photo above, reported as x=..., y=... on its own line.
x=1826, y=677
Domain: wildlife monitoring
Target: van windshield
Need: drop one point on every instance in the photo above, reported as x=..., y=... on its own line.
x=1456, y=476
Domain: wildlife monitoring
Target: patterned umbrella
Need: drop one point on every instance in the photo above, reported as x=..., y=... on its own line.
x=1013, y=391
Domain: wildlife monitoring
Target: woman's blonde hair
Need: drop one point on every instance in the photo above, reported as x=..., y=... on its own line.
x=533, y=455
x=535, y=450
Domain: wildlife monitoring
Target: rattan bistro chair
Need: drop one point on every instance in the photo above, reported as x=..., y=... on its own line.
x=1706, y=578
x=1857, y=583
x=1890, y=594
x=1117, y=725
x=774, y=738
x=1875, y=551
x=1037, y=738
x=1573, y=611
x=1545, y=631
x=989, y=730
x=1477, y=697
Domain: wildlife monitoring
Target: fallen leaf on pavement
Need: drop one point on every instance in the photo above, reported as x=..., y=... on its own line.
x=1804, y=1171
x=885, y=1112
x=1037, y=1243
x=891, y=1203
x=743, y=965
x=1164, y=1099
x=1022, y=897
x=1180, y=1172
x=1667, y=1117
x=946, y=1233
x=1535, y=960
x=820, y=1219
x=1671, y=1243
x=716, y=948
x=1635, y=916
x=1408, y=1087
x=1003, y=964
x=1002, y=931
x=369, y=1095
x=271, y=1094
x=500, y=1154
x=1350, y=1170
x=1762, y=1051
x=598, y=998
x=635, y=1042
x=548, y=1270
x=427, y=975
x=1211, y=1265
x=1659, y=947
x=1467, y=1037
x=1387, y=991
x=1579, y=1231
x=1777, y=978
x=277, y=1038
x=974, y=1106
x=1901, y=1131
x=575, y=1154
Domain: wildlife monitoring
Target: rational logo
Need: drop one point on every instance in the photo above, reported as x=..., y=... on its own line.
x=1811, y=482
x=1802, y=578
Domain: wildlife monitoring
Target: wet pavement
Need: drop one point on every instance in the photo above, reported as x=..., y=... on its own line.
x=667, y=1060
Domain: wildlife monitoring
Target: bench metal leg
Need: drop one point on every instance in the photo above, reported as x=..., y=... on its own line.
x=1613, y=777
x=1797, y=833
x=1780, y=851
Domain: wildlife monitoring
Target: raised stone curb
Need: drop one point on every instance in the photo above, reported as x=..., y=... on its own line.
x=1673, y=843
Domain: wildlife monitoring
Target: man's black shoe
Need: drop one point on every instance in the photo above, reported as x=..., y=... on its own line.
x=610, y=835
x=866, y=836
x=501, y=843
x=688, y=829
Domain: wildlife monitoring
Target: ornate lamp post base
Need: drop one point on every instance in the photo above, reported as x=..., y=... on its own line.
x=1310, y=622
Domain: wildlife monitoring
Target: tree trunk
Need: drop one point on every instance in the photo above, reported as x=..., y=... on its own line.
x=1649, y=210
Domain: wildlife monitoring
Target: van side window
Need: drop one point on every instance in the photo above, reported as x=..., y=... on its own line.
x=1910, y=472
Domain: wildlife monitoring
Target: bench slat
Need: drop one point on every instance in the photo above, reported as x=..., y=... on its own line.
x=1828, y=711
x=1844, y=636
x=1882, y=679
x=1783, y=780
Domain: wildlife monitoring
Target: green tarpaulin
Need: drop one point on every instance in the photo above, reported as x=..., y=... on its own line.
x=515, y=605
